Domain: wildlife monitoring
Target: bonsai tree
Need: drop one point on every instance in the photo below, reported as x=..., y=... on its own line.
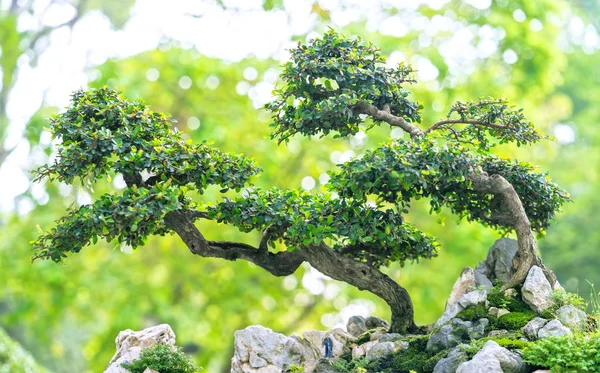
x=332, y=85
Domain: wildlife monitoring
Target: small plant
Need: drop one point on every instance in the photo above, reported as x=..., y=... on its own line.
x=594, y=304
x=351, y=365
x=296, y=369
x=496, y=298
x=562, y=298
x=565, y=354
x=163, y=359
x=510, y=342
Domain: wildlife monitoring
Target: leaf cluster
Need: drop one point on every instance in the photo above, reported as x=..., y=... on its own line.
x=163, y=359
x=327, y=78
x=490, y=119
x=358, y=230
x=401, y=171
x=565, y=354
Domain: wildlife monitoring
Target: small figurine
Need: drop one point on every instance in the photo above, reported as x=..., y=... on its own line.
x=328, y=343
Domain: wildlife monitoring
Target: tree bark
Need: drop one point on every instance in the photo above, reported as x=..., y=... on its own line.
x=321, y=257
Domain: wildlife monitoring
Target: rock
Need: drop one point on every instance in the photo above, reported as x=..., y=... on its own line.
x=456, y=332
x=536, y=290
x=554, y=328
x=464, y=284
x=542, y=371
x=470, y=299
x=362, y=350
x=499, y=259
x=356, y=325
x=130, y=345
x=450, y=363
x=323, y=366
x=571, y=317
x=257, y=361
x=275, y=349
x=378, y=333
x=495, y=333
x=497, y=312
x=510, y=292
x=386, y=348
x=390, y=337
x=493, y=359
x=482, y=281
x=530, y=330
x=148, y=370
x=373, y=322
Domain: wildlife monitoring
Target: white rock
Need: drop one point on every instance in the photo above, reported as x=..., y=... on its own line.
x=130, y=345
x=493, y=359
x=362, y=350
x=531, y=329
x=386, y=348
x=571, y=317
x=464, y=284
x=470, y=299
x=554, y=328
x=537, y=291
x=497, y=312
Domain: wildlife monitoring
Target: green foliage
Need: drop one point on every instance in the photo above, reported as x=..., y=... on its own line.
x=300, y=218
x=327, y=78
x=295, y=369
x=496, y=298
x=164, y=359
x=594, y=303
x=514, y=320
x=562, y=298
x=351, y=365
x=565, y=354
x=103, y=133
x=473, y=313
x=502, y=122
x=14, y=359
x=513, y=344
x=401, y=171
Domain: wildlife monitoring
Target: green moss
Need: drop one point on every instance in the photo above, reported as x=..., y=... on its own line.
x=508, y=341
x=164, y=359
x=514, y=320
x=565, y=354
x=364, y=337
x=496, y=298
x=473, y=313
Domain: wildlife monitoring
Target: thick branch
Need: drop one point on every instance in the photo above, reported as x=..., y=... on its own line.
x=439, y=124
x=279, y=264
x=385, y=115
x=527, y=254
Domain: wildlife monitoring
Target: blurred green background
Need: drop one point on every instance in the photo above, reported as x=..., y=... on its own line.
x=212, y=64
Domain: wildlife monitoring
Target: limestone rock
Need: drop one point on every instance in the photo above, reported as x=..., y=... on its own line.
x=498, y=262
x=497, y=312
x=571, y=317
x=536, y=290
x=456, y=332
x=554, y=328
x=356, y=325
x=464, y=284
x=390, y=337
x=373, y=322
x=130, y=345
x=148, y=370
x=362, y=350
x=386, y=348
x=493, y=359
x=470, y=299
x=496, y=333
x=450, y=363
x=531, y=329
x=256, y=344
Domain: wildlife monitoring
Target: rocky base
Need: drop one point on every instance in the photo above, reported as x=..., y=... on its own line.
x=483, y=329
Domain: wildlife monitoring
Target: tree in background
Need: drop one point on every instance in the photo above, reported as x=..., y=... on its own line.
x=331, y=85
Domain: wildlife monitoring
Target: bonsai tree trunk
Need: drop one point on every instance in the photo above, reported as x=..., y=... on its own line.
x=321, y=257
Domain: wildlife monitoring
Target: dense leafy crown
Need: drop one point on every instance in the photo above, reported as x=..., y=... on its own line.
x=330, y=85
x=327, y=77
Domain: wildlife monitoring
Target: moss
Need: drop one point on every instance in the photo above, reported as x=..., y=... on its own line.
x=508, y=341
x=496, y=298
x=364, y=337
x=473, y=313
x=514, y=320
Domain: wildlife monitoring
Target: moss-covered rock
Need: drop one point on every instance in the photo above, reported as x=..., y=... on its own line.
x=514, y=320
x=473, y=313
x=14, y=359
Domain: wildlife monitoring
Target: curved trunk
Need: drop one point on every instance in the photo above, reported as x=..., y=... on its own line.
x=527, y=253
x=365, y=277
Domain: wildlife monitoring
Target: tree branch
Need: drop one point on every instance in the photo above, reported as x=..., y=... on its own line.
x=437, y=125
x=385, y=115
x=278, y=264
